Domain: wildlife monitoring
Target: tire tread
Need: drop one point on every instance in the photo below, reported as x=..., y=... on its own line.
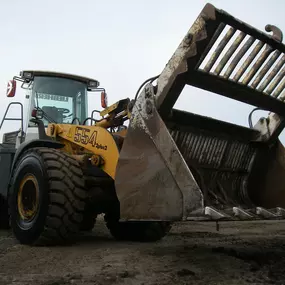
x=66, y=196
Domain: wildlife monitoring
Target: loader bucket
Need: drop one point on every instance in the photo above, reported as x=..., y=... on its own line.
x=176, y=165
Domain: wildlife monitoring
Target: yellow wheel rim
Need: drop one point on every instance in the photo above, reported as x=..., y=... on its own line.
x=28, y=197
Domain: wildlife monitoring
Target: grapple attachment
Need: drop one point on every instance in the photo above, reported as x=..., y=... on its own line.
x=177, y=165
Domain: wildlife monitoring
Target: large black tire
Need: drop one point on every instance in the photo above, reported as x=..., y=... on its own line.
x=142, y=231
x=138, y=231
x=87, y=223
x=61, y=197
x=89, y=219
x=102, y=199
x=97, y=198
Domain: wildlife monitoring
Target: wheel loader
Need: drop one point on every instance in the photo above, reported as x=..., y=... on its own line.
x=64, y=167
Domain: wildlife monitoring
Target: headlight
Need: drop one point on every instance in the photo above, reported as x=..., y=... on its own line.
x=27, y=75
x=93, y=84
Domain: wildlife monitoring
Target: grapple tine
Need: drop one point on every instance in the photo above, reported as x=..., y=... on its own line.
x=219, y=49
x=238, y=57
x=229, y=53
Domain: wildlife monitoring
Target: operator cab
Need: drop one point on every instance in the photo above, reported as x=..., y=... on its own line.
x=53, y=97
x=61, y=100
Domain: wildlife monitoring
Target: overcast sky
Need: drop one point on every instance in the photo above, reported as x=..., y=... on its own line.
x=120, y=43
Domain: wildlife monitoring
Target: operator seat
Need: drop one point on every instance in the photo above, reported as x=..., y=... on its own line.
x=53, y=113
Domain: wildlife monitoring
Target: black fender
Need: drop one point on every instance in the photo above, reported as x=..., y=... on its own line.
x=34, y=143
x=27, y=145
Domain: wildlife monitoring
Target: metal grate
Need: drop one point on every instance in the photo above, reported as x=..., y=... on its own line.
x=241, y=58
x=221, y=164
x=214, y=152
x=226, y=56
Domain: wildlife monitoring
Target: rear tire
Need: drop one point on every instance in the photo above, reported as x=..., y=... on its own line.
x=60, y=198
x=138, y=231
x=88, y=221
x=102, y=199
x=142, y=231
x=87, y=224
x=97, y=198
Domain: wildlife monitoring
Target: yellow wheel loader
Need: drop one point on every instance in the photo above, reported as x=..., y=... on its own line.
x=63, y=168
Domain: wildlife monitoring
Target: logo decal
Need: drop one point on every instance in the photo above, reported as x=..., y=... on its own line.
x=83, y=135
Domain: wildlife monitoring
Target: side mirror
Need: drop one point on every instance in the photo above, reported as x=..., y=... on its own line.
x=104, y=101
x=11, y=88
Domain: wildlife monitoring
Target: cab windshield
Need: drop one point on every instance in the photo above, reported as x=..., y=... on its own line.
x=62, y=100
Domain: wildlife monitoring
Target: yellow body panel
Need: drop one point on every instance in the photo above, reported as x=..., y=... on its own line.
x=109, y=109
x=88, y=139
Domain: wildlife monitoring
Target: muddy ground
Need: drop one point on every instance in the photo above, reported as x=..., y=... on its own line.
x=193, y=253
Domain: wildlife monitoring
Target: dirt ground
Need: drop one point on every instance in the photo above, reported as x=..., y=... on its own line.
x=193, y=253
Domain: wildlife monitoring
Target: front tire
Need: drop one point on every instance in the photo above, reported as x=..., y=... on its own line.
x=87, y=223
x=47, y=197
x=89, y=219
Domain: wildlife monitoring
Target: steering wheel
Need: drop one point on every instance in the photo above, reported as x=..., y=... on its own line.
x=63, y=110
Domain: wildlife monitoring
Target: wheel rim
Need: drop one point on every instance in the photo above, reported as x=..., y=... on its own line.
x=28, y=198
